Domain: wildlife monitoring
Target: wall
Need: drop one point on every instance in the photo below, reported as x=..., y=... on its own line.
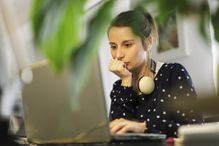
x=199, y=61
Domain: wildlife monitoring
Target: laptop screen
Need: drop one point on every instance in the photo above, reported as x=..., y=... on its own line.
x=49, y=116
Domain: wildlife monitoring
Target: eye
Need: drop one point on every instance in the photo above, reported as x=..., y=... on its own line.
x=113, y=47
x=128, y=45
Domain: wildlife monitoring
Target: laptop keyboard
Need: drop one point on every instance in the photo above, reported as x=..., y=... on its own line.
x=139, y=137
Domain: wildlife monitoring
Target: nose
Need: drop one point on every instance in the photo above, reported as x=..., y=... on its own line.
x=119, y=54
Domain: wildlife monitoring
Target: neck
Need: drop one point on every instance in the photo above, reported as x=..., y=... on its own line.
x=143, y=69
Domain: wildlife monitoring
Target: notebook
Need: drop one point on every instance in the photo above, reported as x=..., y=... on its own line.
x=50, y=114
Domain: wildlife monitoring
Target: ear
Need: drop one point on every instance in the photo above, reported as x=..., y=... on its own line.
x=147, y=43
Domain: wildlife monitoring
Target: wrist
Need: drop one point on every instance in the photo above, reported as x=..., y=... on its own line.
x=127, y=81
x=144, y=127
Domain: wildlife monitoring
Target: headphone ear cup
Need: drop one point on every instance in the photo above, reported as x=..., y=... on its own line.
x=146, y=85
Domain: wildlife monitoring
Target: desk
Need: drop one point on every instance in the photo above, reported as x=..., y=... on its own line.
x=139, y=144
x=115, y=144
x=126, y=143
x=133, y=144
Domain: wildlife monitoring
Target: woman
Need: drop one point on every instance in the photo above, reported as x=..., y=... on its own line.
x=146, y=88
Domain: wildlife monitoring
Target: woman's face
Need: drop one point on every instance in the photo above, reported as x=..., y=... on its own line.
x=126, y=47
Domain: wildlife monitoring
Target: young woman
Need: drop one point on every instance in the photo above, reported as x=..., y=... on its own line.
x=140, y=99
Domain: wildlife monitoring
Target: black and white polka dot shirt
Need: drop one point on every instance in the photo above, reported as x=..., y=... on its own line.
x=172, y=84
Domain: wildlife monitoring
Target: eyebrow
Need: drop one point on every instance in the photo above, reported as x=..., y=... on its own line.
x=125, y=41
x=112, y=43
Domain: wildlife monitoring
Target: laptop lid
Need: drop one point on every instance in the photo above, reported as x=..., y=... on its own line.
x=48, y=113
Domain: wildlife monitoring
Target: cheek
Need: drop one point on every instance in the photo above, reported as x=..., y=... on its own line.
x=141, y=54
x=138, y=56
x=137, y=53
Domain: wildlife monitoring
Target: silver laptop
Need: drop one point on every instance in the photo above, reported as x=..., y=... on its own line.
x=50, y=114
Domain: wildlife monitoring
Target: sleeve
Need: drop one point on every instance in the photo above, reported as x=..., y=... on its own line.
x=181, y=88
x=122, y=102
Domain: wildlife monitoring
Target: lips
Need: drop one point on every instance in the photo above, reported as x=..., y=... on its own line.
x=126, y=64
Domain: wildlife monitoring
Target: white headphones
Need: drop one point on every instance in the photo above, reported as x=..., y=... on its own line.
x=146, y=84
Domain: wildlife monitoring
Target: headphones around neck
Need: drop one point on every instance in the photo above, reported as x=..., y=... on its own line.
x=146, y=84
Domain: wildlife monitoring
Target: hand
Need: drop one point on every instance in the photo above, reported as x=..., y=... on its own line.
x=119, y=68
x=120, y=126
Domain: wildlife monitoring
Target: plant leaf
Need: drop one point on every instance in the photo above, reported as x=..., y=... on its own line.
x=82, y=59
x=204, y=20
x=164, y=9
x=56, y=28
x=215, y=23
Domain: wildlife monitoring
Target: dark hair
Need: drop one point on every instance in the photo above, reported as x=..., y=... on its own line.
x=141, y=23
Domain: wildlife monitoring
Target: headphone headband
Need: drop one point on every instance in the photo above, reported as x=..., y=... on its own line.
x=153, y=66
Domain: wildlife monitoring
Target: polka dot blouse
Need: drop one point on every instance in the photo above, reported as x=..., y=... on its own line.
x=172, y=84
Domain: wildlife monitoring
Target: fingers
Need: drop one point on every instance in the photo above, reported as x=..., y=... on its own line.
x=116, y=125
x=120, y=126
x=115, y=122
x=123, y=130
x=116, y=65
x=119, y=68
x=116, y=128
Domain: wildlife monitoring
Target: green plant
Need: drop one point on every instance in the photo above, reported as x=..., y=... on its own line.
x=57, y=28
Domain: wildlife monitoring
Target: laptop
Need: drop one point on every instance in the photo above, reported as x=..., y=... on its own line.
x=53, y=115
